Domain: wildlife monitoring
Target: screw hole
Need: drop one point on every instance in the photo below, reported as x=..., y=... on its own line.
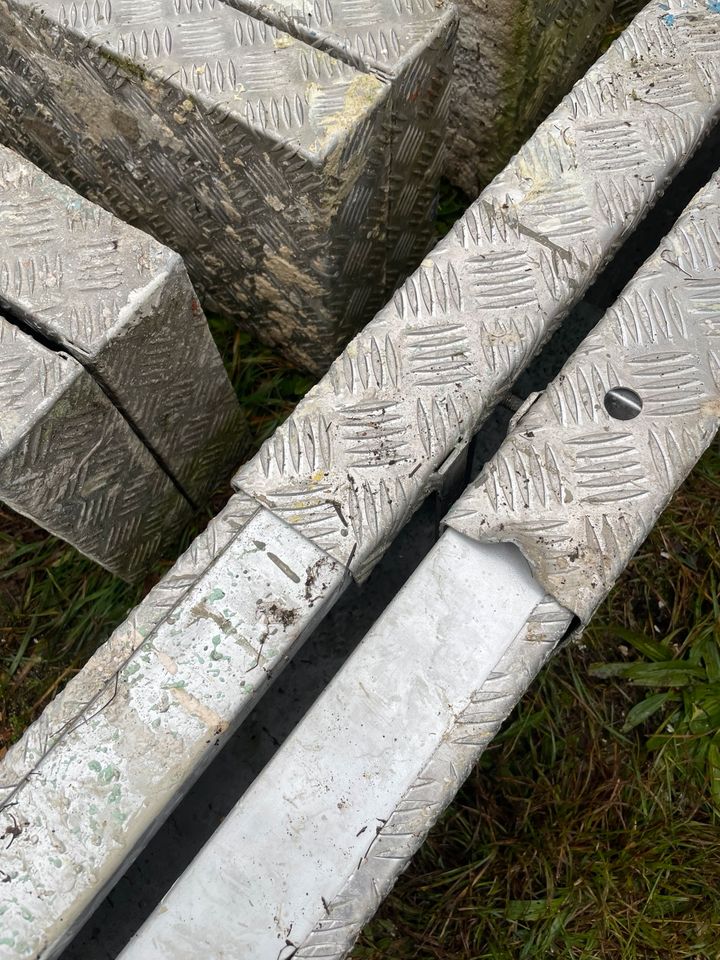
x=622, y=403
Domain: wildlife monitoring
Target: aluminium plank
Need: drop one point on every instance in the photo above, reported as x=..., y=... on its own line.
x=309, y=851
x=122, y=305
x=533, y=547
x=385, y=415
x=70, y=462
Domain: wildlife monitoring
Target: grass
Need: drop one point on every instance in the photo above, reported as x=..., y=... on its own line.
x=591, y=827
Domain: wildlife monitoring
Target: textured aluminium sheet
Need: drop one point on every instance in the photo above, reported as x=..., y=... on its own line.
x=70, y=462
x=364, y=448
x=410, y=43
x=91, y=781
x=123, y=306
x=578, y=485
x=383, y=411
x=585, y=474
x=263, y=161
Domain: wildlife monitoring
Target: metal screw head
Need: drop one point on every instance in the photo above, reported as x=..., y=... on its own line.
x=622, y=403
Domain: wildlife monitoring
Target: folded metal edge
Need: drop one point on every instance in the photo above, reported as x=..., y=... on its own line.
x=112, y=773
x=587, y=471
x=411, y=46
x=380, y=36
x=71, y=463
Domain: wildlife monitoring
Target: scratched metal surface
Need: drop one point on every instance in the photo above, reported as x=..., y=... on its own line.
x=482, y=352
x=576, y=488
x=264, y=162
x=444, y=771
x=411, y=44
x=123, y=306
x=357, y=784
x=91, y=781
x=70, y=462
x=364, y=448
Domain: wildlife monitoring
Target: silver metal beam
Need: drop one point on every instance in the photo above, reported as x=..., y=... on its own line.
x=308, y=853
x=70, y=462
x=368, y=444
x=399, y=407
x=122, y=305
x=581, y=480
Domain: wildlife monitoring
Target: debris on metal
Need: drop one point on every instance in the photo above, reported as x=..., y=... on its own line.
x=123, y=306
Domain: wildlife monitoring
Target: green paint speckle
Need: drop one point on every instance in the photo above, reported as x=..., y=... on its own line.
x=216, y=594
x=105, y=774
x=216, y=655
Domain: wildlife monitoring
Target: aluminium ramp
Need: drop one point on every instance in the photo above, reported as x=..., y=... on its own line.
x=266, y=163
x=447, y=343
x=122, y=305
x=579, y=483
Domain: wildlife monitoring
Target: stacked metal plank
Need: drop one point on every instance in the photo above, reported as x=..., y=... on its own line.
x=265, y=162
x=83, y=284
x=329, y=491
x=578, y=485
